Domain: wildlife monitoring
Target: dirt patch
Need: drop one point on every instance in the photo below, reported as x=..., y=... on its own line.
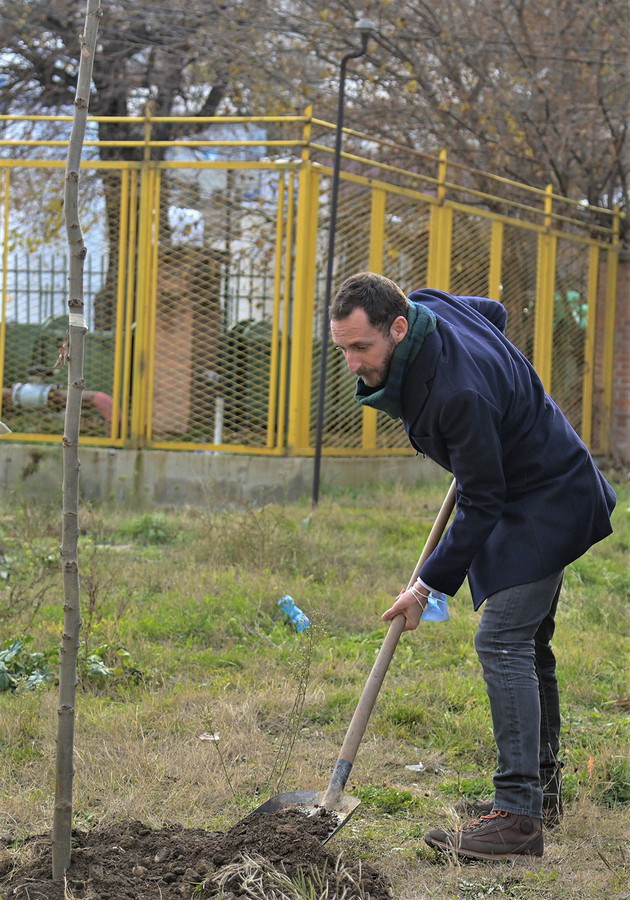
x=257, y=858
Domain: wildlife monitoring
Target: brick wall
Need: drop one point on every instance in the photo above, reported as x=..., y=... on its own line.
x=620, y=423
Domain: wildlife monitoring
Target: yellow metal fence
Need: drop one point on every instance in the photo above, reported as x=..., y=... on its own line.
x=205, y=281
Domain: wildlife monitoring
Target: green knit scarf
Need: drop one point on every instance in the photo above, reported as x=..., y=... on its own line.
x=387, y=398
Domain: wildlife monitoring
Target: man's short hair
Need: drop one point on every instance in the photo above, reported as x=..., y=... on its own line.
x=381, y=298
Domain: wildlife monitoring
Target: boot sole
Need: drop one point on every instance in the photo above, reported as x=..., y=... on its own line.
x=478, y=854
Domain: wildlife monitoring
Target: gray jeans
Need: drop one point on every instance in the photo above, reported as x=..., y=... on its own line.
x=519, y=668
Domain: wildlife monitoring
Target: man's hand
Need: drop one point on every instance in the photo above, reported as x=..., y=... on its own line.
x=408, y=603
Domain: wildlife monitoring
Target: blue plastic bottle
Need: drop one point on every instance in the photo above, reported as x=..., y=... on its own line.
x=436, y=609
x=294, y=614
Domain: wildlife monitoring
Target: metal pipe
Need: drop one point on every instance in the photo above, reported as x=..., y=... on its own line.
x=366, y=28
x=31, y=396
x=219, y=407
x=24, y=395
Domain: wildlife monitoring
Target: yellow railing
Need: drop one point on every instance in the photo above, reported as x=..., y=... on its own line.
x=206, y=312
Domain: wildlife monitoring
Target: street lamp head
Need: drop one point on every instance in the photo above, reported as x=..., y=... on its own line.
x=365, y=27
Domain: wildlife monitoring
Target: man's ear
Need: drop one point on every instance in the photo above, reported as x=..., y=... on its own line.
x=399, y=328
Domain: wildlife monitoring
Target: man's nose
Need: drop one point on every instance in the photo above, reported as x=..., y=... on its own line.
x=354, y=363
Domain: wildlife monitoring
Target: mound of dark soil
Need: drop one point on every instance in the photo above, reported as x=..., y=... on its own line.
x=135, y=862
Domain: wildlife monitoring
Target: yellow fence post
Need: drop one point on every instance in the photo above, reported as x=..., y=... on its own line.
x=300, y=379
x=151, y=319
x=140, y=311
x=609, y=329
x=303, y=310
x=377, y=241
x=5, y=273
x=286, y=309
x=307, y=131
x=496, y=261
x=141, y=352
x=545, y=289
x=274, y=364
x=589, y=347
x=148, y=127
x=129, y=303
x=440, y=234
x=444, y=276
x=119, y=334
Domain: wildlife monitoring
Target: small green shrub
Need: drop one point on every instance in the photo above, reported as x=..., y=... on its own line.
x=387, y=800
x=337, y=707
x=615, y=787
x=107, y=664
x=150, y=528
x=110, y=663
x=409, y=716
x=19, y=665
x=471, y=788
x=28, y=570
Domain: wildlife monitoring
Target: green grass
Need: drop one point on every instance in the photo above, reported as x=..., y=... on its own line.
x=187, y=600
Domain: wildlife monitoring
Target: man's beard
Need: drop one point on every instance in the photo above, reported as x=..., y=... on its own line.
x=376, y=376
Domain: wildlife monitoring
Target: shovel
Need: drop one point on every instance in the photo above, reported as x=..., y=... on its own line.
x=332, y=801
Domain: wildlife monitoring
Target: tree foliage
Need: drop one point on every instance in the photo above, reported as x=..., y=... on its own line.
x=185, y=58
x=534, y=91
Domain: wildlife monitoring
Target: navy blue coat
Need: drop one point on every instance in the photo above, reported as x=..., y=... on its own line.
x=530, y=499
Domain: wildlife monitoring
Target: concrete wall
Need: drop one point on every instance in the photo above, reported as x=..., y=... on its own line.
x=170, y=478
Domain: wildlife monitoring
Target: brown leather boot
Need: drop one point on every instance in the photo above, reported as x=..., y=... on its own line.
x=501, y=835
x=552, y=807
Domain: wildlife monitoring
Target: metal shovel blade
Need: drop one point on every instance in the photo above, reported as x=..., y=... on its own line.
x=313, y=803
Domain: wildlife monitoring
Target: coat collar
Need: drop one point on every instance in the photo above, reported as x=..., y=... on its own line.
x=419, y=377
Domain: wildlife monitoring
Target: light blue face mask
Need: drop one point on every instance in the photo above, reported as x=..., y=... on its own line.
x=294, y=614
x=436, y=609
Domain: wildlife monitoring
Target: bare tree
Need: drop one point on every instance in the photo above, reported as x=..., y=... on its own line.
x=186, y=57
x=62, y=825
x=534, y=91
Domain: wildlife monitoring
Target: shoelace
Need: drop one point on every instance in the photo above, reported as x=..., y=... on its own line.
x=483, y=820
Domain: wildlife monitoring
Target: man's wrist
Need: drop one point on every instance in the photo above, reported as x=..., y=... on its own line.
x=423, y=584
x=420, y=591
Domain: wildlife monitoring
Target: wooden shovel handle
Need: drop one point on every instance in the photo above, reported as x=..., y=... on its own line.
x=441, y=521
x=362, y=713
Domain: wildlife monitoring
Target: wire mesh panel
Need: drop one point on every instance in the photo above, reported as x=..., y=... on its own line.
x=405, y=261
x=35, y=320
x=470, y=255
x=569, y=328
x=599, y=413
x=406, y=245
x=342, y=415
x=215, y=307
x=518, y=286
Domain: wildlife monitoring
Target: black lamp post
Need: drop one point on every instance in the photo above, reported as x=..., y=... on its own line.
x=366, y=29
